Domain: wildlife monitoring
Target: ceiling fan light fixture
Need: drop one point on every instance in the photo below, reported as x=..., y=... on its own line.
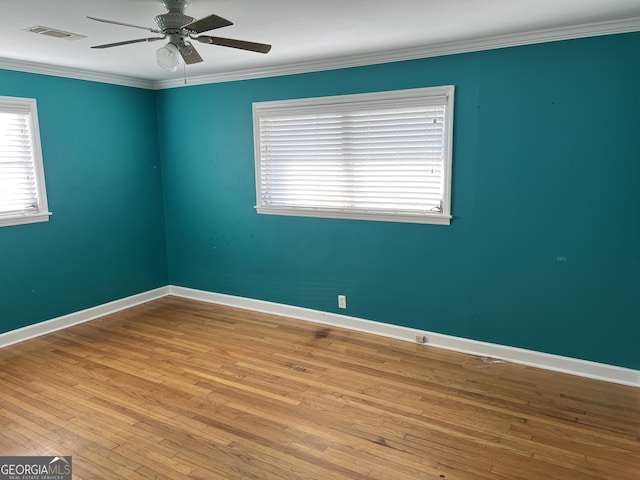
x=168, y=57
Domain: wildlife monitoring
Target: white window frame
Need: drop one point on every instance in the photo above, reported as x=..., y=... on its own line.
x=40, y=213
x=263, y=111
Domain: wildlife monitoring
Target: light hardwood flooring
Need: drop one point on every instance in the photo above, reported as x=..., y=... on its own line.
x=177, y=389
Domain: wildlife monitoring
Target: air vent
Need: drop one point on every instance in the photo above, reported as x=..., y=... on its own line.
x=54, y=32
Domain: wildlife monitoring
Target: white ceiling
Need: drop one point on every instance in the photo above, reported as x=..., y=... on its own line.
x=302, y=32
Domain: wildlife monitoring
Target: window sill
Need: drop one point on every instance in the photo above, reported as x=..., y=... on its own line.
x=434, y=219
x=24, y=219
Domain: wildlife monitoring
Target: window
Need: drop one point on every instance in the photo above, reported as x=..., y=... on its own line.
x=23, y=198
x=376, y=156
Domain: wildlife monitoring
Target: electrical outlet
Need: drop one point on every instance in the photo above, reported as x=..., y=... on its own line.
x=342, y=301
x=421, y=339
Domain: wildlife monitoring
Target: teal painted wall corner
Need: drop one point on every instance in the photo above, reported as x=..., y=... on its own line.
x=542, y=253
x=106, y=237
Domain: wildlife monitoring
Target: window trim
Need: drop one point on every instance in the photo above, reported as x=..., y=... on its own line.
x=43, y=213
x=332, y=103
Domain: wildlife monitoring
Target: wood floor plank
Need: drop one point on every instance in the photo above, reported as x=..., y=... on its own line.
x=179, y=389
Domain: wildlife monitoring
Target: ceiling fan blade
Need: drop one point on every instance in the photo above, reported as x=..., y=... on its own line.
x=127, y=42
x=207, y=23
x=189, y=54
x=230, y=42
x=124, y=24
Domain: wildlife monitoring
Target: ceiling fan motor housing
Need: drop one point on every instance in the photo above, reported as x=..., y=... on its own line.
x=172, y=21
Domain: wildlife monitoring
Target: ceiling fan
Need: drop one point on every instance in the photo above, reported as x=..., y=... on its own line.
x=179, y=29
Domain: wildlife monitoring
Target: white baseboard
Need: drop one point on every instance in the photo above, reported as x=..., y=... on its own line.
x=584, y=368
x=573, y=366
x=49, y=326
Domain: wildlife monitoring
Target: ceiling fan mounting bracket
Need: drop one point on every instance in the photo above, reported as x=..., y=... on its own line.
x=175, y=5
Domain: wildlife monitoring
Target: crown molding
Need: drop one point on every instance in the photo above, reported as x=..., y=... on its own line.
x=447, y=48
x=75, y=73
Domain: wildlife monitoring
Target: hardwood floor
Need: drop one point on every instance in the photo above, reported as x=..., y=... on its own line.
x=178, y=389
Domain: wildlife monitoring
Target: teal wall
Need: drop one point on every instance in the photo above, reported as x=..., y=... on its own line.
x=544, y=249
x=543, y=252
x=106, y=238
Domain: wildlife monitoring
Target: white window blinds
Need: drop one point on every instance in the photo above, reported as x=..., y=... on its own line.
x=382, y=156
x=22, y=195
